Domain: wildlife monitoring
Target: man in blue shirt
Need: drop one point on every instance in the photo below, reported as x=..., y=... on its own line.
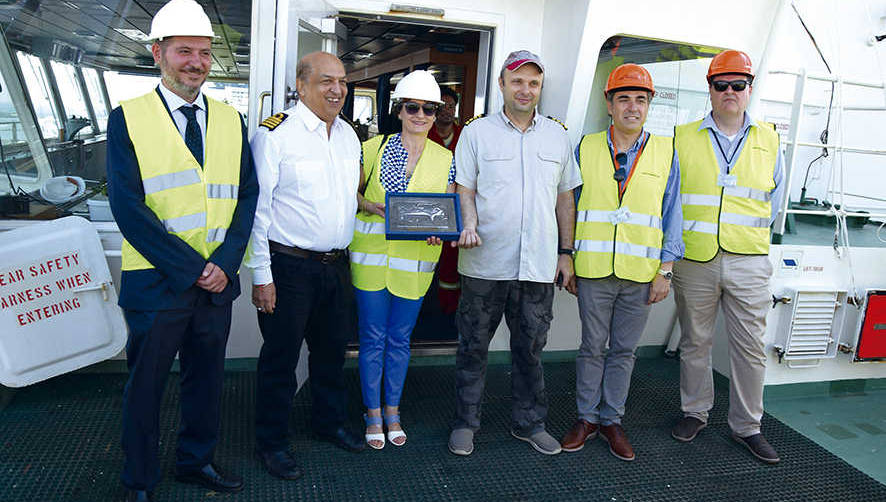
x=183, y=191
x=627, y=238
x=732, y=188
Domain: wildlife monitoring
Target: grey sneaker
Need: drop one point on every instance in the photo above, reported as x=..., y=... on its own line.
x=541, y=441
x=461, y=442
x=759, y=447
x=687, y=428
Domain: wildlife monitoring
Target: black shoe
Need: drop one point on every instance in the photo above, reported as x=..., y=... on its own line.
x=138, y=496
x=279, y=463
x=687, y=428
x=759, y=447
x=210, y=477
x=344, y=439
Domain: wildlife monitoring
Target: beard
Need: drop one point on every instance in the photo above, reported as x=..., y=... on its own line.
x=175, y=84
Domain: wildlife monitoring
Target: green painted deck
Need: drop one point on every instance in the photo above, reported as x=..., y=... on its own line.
x=848, y=418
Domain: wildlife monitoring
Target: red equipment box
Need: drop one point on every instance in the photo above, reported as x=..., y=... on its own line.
x=872, y=339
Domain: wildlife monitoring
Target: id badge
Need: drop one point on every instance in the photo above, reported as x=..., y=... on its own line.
x=622, y=215
x=727, y=180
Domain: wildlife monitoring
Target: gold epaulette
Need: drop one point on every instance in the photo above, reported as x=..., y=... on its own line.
x=559, y=122
x=473, y=119
x=273, y=121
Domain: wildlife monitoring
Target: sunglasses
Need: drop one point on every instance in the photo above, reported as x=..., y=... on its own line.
x=620, y=173
x=429, y=109
x=722, y=85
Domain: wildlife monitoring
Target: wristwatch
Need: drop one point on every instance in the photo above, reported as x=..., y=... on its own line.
x=667, y=274
x=569, y=251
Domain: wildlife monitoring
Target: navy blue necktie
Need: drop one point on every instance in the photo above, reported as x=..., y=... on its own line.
x=193, y=138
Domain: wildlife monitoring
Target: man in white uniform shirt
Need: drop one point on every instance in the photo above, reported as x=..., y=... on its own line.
x=515, y=175
x=308, y=166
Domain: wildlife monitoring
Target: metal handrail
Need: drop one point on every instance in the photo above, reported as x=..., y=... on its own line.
x=828, y=78
x=838, y=148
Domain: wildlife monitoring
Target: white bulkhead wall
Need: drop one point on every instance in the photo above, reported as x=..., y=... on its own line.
x=745, y=27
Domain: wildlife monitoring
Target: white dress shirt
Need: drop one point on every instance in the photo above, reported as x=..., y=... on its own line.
x=307, y=187
x=174, y=102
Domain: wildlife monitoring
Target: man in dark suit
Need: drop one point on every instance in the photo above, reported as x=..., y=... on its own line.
x=182, y=188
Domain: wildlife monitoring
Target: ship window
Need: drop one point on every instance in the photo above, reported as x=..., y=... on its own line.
x=678, y=74
x=15, y=153
x=41, y=97
x=363, y=109
x=234, y=94
x=97, y=97
x=72, y=97
x=122, y=86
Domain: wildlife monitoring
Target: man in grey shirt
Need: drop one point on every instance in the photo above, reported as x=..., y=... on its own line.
x=515, y=175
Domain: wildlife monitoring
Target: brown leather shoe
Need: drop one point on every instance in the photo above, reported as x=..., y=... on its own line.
x=582, y=431
x=618, y=442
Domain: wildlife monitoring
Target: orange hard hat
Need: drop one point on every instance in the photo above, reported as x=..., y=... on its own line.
x=629, y=75
x=730, y=62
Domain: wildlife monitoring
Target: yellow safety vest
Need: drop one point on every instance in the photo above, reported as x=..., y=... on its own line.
x=193, y=203
x=630, y=249
x=405, y=268
x=732, y=218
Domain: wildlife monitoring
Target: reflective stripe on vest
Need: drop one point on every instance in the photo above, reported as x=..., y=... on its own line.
x=369, y=227
x=646, y=220
x=219, y=191
x=196, y=204
x=171, y=180
x=405, y=268
x=632, y=248
x=734, y=218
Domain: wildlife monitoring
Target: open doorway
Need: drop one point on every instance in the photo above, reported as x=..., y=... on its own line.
x=377, y=52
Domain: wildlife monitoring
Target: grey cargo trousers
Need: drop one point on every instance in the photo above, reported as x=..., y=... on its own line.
x=527, y=308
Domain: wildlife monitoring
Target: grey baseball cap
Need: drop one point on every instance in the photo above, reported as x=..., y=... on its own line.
x=517, y=59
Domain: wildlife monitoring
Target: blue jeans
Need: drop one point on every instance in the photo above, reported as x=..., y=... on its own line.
x=385, y=324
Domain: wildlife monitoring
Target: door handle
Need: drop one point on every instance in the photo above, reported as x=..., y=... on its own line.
x=261, y=103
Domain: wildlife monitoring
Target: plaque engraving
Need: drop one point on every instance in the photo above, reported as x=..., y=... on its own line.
x=417, y=216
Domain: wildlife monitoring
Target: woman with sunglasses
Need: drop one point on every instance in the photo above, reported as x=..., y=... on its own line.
x=391, y=277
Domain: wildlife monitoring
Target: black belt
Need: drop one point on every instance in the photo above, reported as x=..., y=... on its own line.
x=324, y=258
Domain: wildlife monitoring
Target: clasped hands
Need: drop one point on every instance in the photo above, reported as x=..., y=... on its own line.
x=213, y=278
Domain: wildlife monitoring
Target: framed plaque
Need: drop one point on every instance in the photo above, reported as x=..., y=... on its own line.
x=417, y=216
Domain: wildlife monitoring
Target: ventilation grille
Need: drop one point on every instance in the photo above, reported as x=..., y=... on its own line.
x=812, y=324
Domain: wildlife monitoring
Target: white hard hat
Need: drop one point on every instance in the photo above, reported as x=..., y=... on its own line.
x=419, y=84
x=180, y=18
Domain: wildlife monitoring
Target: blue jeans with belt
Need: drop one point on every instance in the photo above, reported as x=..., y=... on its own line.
x=385, y=325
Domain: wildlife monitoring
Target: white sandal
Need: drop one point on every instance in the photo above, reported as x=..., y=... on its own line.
x=374, y=436
x=392, y=435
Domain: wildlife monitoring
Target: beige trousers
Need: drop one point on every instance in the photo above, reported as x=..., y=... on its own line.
x=740, y=284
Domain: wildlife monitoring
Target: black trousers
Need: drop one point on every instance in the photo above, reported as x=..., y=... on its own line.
x=199, y=334
x=315, y=303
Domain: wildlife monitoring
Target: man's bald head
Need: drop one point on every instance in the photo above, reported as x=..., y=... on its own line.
x=306, y=64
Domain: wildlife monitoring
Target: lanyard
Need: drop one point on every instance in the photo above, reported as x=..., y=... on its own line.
x=622, y=188
x=734, y=151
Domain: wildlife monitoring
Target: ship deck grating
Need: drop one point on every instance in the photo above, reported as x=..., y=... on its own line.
x=60, y=442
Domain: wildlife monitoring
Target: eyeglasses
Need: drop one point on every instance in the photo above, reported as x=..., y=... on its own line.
x=737, y=85
x=622, y=159
x=429, y=109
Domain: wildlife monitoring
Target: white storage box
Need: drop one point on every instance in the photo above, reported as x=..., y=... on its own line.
x=99, y=210
x=58, y=306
